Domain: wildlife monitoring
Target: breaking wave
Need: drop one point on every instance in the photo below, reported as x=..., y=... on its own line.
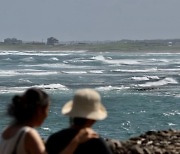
x=159, y=83
x=19, y=89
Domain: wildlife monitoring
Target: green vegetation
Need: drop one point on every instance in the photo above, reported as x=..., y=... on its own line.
x=123, y=45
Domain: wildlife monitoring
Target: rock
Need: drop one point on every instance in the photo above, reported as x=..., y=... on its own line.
x=152, y=142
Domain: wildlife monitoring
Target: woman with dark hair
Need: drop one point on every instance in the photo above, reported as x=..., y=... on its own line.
x=29, y=111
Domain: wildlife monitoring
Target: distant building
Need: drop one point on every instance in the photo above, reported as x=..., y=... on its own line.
x=12, y=41
x=170, y=44
x=52, y=41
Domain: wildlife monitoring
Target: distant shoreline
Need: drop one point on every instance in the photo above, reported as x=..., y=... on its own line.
x=118, y=46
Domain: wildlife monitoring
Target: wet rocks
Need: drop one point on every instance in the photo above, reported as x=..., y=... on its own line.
x=152, y=142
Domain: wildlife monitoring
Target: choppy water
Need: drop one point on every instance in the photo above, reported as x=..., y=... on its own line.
x=140, y=90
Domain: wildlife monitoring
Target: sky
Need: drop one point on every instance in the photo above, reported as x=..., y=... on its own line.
x=89, y=20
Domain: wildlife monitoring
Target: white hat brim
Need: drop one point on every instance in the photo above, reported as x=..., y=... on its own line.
x=99, y=114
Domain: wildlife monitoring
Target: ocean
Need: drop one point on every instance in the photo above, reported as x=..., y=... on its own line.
x=141, y=90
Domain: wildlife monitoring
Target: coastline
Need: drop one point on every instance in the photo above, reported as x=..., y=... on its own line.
x=96, y=47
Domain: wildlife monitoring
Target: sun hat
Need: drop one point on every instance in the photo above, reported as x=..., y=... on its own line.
x=85, y=104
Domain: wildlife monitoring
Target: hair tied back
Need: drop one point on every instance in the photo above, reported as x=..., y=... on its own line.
x=17, y=100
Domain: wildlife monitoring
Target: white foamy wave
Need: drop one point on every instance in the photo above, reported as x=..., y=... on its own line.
x=159, y=60
x=145, y=78
x=96, y=71
x=162, y=53
x=109, y=88
x=46, y=128
x=169, y=69
x=109, y=60
x=41, y=53
x=52, y=86
x=76, y=51
x=125, y=62
x=4, y=73
x=34, y=53
x=171, y=124
x=136, y=71
x=74, y=72
x=56, y=65
x=54, y=59
x=29, y=59
x=24, y=81
x=100, y=57
x=3, y=53
x=172, y=113
x=159, y=83
x=4, y=90
x=40, y=73
x=19, y=89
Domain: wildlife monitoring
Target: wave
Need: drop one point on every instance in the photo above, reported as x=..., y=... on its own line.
x=55, y=86
x=6, y=73
x=54, y=59
x=159, y=60
x=33, y=53
x=74, y=72
x=172, y=113
x=96, y=71
x=145, y=78
x=136, y=71
x=159, y=83
x=110, y=88
x=24, y=81
x=55, y=65
x=19, y=89
x=31, y=72
x=29, y=59
x=40, y=53
x=162, y=53
x=169, y=69
x=42, y=73
x=116, y=62
x=4, y=90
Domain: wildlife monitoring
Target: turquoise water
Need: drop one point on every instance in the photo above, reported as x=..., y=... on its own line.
x=140, y=90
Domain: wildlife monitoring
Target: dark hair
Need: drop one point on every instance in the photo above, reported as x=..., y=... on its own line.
x=23, y=107
x=78, y=121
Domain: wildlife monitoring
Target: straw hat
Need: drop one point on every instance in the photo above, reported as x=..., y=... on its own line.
x=85, y=104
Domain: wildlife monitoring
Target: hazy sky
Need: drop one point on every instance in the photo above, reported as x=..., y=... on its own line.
x=89, y=20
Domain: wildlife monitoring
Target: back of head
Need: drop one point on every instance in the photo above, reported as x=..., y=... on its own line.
x=23, y=107
x=85, y=104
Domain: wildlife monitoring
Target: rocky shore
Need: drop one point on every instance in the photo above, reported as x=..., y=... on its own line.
x=152, y=142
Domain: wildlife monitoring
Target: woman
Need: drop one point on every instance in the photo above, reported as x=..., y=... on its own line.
x=29, y=111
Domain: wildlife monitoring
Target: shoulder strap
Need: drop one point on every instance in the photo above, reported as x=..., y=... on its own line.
x=17, y=142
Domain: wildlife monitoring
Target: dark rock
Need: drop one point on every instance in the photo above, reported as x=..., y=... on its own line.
x=152, y=142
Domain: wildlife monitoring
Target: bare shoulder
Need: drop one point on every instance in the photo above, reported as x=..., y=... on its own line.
x=33, y=139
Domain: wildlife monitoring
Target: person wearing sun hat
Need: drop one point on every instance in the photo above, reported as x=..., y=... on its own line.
x=84, y=110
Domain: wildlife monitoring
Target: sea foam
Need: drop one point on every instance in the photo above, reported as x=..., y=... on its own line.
x=162, y=82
